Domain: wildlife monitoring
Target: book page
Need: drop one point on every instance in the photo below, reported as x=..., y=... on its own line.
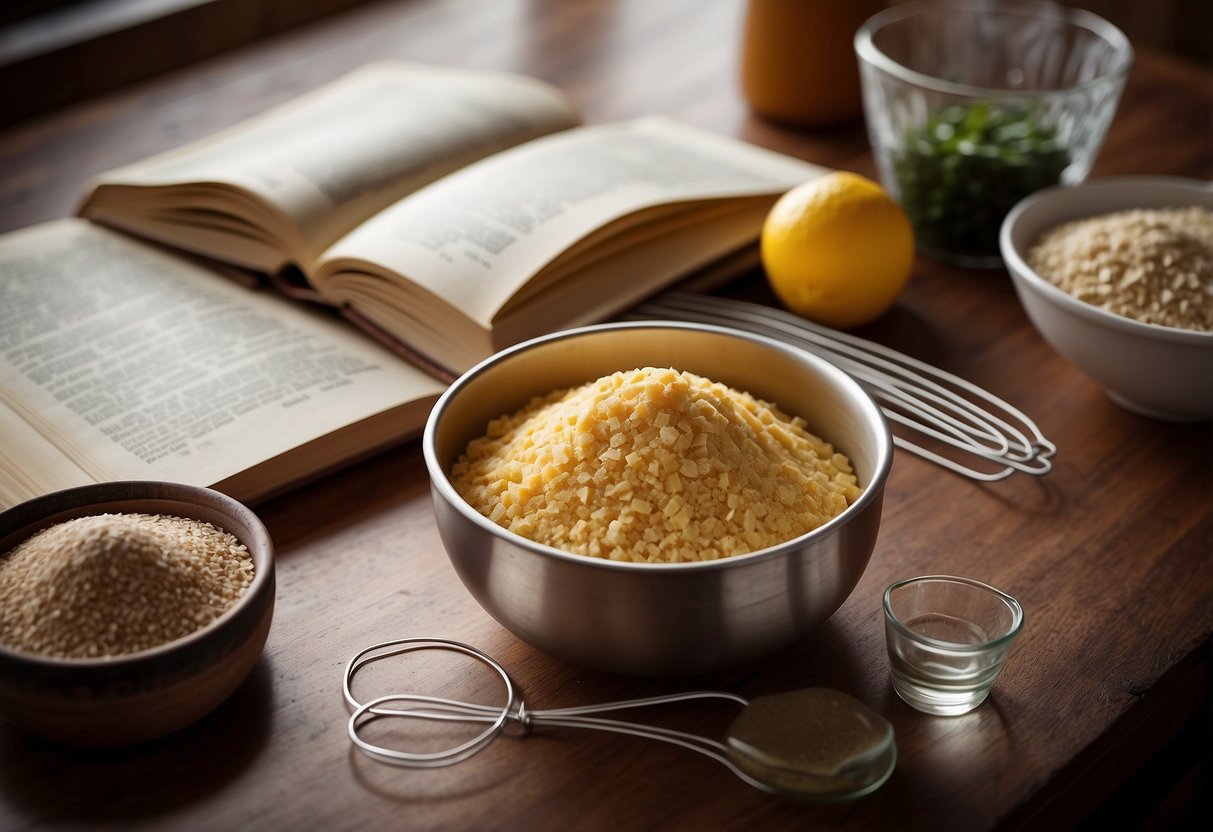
x=328, y=160
x=477, y=237
x=137, y=364
x=29, y=464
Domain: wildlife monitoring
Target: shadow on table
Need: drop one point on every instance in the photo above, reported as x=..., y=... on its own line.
x=43, y=780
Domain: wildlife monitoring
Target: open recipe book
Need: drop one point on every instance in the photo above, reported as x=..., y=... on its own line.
x=449, y=213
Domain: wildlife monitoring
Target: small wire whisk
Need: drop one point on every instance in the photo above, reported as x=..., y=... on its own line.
x=910, y=393
x=813, y=743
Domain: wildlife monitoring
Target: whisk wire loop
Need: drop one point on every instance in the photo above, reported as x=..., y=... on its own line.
x=425, y=707
x=514, y=709
x=911, y=393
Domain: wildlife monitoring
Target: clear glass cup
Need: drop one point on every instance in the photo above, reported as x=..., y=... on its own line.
x=947, y=638
x=971, y=106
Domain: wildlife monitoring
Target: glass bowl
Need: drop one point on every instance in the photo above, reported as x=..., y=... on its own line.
x=972, y=106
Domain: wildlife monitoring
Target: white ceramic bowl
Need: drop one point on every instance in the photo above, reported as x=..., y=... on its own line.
x=1161, y=372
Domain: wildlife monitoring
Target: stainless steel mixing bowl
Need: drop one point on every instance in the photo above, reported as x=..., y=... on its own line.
x=660, y=619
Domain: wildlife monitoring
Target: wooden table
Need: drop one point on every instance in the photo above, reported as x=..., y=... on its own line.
x=1106, y=693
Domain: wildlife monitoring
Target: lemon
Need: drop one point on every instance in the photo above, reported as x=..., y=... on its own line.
x=837, y=250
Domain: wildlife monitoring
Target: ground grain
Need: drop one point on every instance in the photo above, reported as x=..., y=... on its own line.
x=114, y=584
x=1152, y=265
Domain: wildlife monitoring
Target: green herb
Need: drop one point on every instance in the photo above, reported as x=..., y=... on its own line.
x=961, y=173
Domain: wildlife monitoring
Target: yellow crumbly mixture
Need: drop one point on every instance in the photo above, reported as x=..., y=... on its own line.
x=654, y=465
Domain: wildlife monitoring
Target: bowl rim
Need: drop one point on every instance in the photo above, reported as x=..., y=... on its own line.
x=868, y=52
x=895, y=621
x=131, y=491
x=872, y=491
x=1024, y=275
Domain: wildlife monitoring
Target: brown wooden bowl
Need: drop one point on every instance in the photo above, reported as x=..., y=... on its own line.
x=152, y=693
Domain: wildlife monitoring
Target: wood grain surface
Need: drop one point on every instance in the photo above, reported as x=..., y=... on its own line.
x=1110, y=554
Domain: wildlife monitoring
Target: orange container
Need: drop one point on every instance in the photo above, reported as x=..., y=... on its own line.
x=798, y=59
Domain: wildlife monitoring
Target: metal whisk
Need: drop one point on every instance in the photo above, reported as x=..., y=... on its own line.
x=911, y=393
x=860, y=767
